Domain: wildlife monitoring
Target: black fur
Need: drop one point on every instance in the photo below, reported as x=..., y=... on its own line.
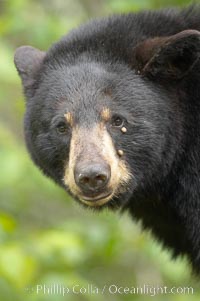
x=162, y=113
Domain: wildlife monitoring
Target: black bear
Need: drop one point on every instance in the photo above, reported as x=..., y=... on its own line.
x=113, y=116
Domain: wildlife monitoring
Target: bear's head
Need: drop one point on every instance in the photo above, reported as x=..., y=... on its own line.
x=105, y=127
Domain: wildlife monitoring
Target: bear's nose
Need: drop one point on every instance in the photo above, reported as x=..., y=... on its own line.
x=92, y=178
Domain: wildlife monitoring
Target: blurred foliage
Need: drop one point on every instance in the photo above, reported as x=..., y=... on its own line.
x=45, y=237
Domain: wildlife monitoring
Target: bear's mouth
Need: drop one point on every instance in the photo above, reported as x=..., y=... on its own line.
x=97, y=200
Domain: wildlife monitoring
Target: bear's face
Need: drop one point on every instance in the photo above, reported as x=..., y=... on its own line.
x=95, y=129
x=99, y=129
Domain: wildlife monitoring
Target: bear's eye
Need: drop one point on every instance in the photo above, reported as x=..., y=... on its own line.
x=117, y=121
x=62, y=128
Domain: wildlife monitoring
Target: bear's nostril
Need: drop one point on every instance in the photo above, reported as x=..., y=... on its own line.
x=83, y=180
x=92, y=178
x=100, y=181
x=101, y=178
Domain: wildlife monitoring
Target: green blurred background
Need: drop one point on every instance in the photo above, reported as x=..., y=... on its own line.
x=45, y=238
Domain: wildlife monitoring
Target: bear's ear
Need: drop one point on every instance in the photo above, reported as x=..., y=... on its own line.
x=27, y=61
x=168, y=57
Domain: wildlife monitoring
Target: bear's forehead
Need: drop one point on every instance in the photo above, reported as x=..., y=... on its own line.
x=86, y=89
x=82, y=75
x=88, y=80
x=79, y=87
